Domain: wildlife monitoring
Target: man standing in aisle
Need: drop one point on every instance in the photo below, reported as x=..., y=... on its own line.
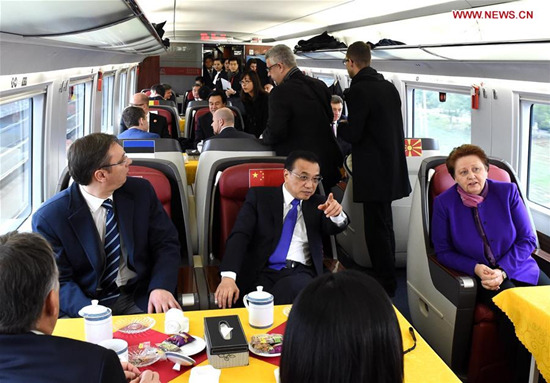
x=380, y=176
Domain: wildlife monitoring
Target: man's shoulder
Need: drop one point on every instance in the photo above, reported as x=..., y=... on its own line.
x=60, y=344
x=159, y=119
x=58, y=201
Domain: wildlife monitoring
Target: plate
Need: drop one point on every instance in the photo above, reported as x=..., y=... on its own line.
x=179, y=358
x=286, y=311
x=134, y=325
x=264, y=354
x=143, y=357
x=194, y=347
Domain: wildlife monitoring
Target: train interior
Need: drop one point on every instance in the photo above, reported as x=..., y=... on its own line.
x=69, y=68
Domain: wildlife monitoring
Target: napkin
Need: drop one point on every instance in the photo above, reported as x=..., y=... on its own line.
x=204, y=374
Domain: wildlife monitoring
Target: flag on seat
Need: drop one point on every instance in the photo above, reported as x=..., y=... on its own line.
x=413, y=147
x=265, y=177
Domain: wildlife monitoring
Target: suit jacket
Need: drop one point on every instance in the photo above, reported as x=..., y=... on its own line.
x=147, y=233
x=137, y=133
x=300, y=118
x=208, y=79
x=231, y=132
x=375, y=132
x=258, y=228
x=507, y=226
x=157, y=124
x=36, y=358
x=204, y=127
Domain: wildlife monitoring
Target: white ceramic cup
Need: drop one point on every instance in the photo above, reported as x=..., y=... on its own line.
x=259, y=304
x=117, y=345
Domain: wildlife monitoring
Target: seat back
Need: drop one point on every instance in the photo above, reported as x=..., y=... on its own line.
x=160, y=184
x=173, y=120
x=169, y=119
x=200, y=112
x=233, y=186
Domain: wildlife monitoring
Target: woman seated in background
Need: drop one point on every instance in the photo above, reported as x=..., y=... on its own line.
x=255, y=100
x=342, y=328
x=481, y=227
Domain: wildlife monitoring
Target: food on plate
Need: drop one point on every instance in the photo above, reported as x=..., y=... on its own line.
x=267, y=343
x=174, y=342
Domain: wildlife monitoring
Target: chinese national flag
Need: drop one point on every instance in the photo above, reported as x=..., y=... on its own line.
x=413, y=147
x=265, y=177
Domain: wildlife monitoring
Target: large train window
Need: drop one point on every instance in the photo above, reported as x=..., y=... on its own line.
x=16, y=120
x=107, y=93
x=538, y=179
x=78, y=110
x=442, y=115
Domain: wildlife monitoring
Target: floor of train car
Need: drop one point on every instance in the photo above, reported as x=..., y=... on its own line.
x=400, y=300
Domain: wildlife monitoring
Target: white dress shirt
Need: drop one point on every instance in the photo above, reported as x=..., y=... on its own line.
x=299, y=247
x=99, y=214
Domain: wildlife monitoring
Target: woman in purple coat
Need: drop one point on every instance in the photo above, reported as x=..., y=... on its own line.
x=481, y=227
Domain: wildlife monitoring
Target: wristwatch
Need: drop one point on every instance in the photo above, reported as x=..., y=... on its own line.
x=504, y=275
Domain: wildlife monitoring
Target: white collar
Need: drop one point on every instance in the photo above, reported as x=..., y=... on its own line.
x=287, y=197
x=93, y=202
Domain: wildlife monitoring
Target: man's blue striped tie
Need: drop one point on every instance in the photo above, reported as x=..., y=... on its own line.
x=277, y=260
x=112, y=254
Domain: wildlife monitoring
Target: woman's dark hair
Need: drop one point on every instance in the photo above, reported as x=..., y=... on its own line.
x=463, y=151
x=342, y=329
x=257, y=86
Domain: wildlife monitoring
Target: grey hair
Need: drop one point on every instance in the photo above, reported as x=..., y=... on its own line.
x=281, y=54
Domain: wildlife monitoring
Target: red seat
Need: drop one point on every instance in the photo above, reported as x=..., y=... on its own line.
x=487, y=361
x=199, y=114
x=160, y=184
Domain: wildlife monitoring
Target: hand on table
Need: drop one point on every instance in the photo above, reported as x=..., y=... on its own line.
x=161, y=301
x=331, y=207
x=227, y=293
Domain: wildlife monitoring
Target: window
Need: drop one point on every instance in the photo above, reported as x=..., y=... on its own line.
x=449, y=121
x=123, y=92
x=132, y=81
x=76, y=113
x=107, y=95
x=538, y=182
x=15, y=163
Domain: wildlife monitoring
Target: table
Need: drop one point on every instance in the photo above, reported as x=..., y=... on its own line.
x=422, y=365
x=191, y=170
x=529, y=310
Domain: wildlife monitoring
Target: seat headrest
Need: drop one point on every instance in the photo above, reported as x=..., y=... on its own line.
x=236, y=180
x=158, y=180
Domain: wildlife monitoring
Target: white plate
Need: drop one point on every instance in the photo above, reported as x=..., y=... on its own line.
x=132, y=325
x=136, y=355
x=264, y=354
x=194, y=347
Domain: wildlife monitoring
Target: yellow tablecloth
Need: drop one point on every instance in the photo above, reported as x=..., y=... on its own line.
x=529, y=310
x=191, y=170
x=422, y=365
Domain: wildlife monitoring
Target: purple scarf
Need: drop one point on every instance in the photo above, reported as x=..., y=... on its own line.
x=472, y=200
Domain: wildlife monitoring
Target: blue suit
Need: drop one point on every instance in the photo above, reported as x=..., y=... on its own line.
x=137, y=133
x=506, y=223
x=35, y=358
x=148, y=236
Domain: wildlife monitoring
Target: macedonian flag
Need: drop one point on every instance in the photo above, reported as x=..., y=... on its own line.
x=413, y=147
x=265, y=177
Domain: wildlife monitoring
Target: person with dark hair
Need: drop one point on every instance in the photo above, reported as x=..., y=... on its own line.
x=111, y=237
x=300, y=115
x=481, y=227
x=220, y=73
x=157, y=92
x=135, y=119
x=375, y=131
x=337, y=105
x=157, y=123
x=343, y=329
x=234, y=76
x=29, y=305
x=169, y=94
x=216, y=100
x=281, y=252
x=208, y=72
x=255, y=101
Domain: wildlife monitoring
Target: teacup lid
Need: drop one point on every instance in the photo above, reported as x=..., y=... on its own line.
x=260, y=296
x=95, y=311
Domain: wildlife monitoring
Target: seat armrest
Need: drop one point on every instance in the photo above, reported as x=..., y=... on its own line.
x=457, y=287
x=187, y=292
x=543, y=260
x=213, y=279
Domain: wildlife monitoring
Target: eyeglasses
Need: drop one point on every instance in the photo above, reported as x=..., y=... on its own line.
x=269, y=67
x=242, y=82
x=345, y=61
x=306, y=179
x=411, y=331
x=123, y=161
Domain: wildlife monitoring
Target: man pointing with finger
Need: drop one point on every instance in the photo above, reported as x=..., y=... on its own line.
x=277, y=238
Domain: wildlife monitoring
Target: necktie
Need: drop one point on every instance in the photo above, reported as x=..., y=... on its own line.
x=112, y=253
x=277, y=260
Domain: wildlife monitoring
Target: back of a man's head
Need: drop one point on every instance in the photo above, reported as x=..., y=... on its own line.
x=27, y=275
x=359, y=52
x=88, y=154
x=158, y=89
x=131, y=116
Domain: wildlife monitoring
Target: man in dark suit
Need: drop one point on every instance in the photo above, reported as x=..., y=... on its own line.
x=283, y=257
x=337, y=105
x=219, y=73
x=223, y=126
x=380, y=176
x=216, y=100
x=157, y=123
x=300, y=115
x=138, y=127
x=208, y=72
x=112, y=239
x=29, y=305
